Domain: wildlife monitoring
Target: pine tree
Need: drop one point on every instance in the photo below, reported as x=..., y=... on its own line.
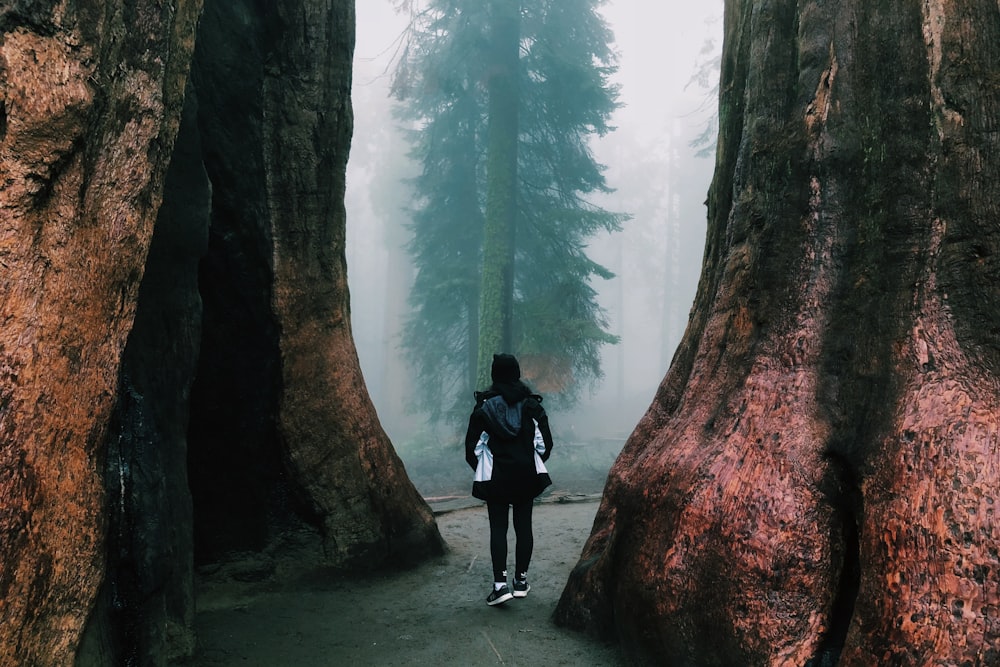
x=563, y=99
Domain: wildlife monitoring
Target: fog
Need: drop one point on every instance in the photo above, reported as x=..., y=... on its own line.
x=658, y=177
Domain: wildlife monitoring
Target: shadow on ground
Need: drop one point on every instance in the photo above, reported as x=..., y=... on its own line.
x=256, y=613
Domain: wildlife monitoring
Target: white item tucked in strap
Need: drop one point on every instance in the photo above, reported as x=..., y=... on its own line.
x=484, y=469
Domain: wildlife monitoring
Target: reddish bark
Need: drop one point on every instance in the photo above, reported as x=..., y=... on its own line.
x=815, y=477
x=90, y=98
x=340, y=457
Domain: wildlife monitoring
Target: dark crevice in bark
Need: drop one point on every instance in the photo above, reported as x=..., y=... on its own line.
x=231, y=467
x=122, y=589
x=235, y=471
x=847, y=501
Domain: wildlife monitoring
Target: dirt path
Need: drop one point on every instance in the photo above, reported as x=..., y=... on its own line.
x=433, y=615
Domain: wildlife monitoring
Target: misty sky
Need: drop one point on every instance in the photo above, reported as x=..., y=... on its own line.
x=649, y=162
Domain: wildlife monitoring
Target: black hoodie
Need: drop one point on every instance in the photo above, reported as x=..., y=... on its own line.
x=508, y=412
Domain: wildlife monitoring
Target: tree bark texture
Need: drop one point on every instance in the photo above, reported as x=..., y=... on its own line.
x=338, y=453
x=283, y=431
x=816, y=476
x=90, y=99
x=496, y=297
x=145, y=609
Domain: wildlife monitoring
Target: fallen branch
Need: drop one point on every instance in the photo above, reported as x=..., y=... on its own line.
x=499, y=657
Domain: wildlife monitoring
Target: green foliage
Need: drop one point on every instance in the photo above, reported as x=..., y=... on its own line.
x=706, y=77
x=564, y=99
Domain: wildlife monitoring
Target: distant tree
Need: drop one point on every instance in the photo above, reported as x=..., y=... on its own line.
x=706, y=77
x=443, y=108
x=563, y=98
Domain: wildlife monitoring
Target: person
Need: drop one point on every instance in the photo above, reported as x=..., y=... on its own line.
x=507, y=444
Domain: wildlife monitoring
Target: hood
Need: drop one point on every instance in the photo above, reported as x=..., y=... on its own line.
x=504, y=417
x=512, y=392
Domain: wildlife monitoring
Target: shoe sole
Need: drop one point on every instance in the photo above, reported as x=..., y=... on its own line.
x=522, y=594
x=499, y=600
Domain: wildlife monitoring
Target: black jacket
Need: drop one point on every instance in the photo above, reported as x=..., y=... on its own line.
x=508, y=413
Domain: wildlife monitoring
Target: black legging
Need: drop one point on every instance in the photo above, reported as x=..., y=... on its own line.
x=498, y=537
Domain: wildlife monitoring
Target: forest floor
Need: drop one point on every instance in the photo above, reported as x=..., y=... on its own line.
x=250, y=614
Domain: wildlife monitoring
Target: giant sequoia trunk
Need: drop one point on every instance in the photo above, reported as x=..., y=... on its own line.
x=90, y=97
x=340, y=458
x=283, y=429
x=90, y=101
x=817, y=474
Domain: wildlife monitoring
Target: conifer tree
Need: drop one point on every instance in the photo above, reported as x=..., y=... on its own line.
x=563, y=98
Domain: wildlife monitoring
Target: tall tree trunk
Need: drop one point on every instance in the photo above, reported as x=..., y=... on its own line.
x=337, y=451
x=472, y=315
x=90, y=100
x=283, y=430
x=497, y=294
x=816, y=475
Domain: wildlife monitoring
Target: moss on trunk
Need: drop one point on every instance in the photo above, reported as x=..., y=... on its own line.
x=497, y=293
